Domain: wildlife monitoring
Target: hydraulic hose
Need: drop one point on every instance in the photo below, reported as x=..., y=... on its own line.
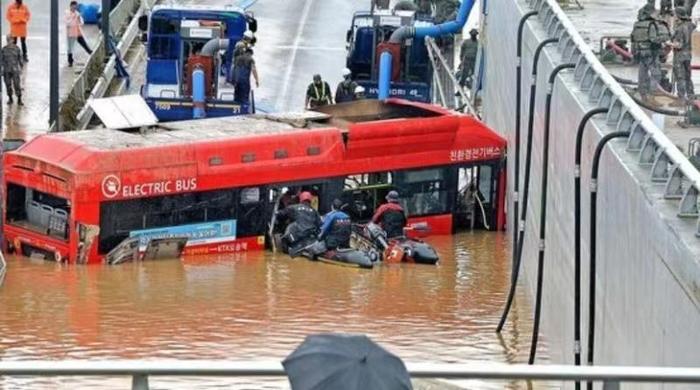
x=543, y=208
x=577, y=233
x=593, y=232
x=518, y=104
x=656, y=109
x=526, y=186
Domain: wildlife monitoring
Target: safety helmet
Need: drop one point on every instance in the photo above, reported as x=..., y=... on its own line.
x=392, y=196
x=473, y=32
x=305, y=196
x=248, y=34
x=359, y=89
x=346, y=72
x=317, y=77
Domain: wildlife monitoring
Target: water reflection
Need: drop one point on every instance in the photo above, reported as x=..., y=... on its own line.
x=260, y=306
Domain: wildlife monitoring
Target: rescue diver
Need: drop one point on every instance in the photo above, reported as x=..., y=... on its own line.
x=318, y=93
x=390, y=216
x=345, y=92
x=304, y=224
x=336, y=228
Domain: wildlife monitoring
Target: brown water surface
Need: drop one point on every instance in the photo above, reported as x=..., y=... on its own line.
x=259, y=306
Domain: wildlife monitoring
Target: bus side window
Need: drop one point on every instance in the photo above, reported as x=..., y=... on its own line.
x=424, y=192
x=252, y=216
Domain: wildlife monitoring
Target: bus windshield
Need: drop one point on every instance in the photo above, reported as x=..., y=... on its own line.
x=37, y=211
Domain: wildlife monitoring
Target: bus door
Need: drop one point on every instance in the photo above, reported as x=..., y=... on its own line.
x=477, y=196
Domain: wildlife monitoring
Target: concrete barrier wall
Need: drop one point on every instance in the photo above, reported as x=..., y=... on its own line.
x=648, y=295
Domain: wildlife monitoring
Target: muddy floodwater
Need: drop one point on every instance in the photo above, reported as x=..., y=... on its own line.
x=259, y=306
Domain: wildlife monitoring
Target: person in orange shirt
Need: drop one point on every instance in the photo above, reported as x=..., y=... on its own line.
x=18, y=15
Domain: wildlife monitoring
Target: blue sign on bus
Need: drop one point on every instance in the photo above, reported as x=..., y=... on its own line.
x=197, y=234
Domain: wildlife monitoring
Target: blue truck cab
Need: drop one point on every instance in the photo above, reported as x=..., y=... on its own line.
x=176, y=36
x=371, y=29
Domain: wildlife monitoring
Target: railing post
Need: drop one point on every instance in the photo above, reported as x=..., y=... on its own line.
x=139, y=382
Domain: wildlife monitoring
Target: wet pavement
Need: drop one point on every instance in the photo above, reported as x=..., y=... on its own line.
x=33, y=118
x=260, y=306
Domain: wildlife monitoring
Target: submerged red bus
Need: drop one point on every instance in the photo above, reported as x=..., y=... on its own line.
x=76, y=196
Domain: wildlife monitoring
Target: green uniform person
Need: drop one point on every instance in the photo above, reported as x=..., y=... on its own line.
x=682, y=54
x=468, y=52
x=666, y=7
x=446, y=10
x=646, y=45
x=318, y=93
x=11, y=57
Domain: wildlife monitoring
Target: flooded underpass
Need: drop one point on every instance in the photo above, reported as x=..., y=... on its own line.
x=260, y=306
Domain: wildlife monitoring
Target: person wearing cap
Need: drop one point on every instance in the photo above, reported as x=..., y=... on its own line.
x=359, y=92
x=318, y=93
x=391, y=216
x=682, y=55
x=345, y=92
x=336, y=228
x=468, y=52
x=304, y=222
x=243, y=44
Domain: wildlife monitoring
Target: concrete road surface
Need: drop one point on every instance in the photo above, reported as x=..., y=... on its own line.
x=33, y=118
x=297, y=38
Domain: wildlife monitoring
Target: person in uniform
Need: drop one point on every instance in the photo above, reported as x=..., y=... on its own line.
x=336, y=228
x=666, y=7
x=318, y=93
x=391, y=216
x=11, y=58
x=345, y=92
x=243, y=67
x=18, y=16
x=682, y=55
x=446, y=10
x=646, y=47
x=468, y=54
x=304, y=222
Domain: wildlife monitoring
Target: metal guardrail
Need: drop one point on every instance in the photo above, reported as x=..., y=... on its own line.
x=435, y=56
x=84, y=86
x=141, y=370
x=655, y=151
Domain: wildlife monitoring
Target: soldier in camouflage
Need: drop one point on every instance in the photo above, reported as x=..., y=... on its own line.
x=682, y=54
x=446, y=10
x=666, y=7
x=11, y=57
x=468, y=54
x=646, y=47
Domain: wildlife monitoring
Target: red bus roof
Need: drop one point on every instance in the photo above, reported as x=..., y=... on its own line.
x=347, y=138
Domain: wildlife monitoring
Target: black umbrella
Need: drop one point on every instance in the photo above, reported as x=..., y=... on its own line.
x=344, y=362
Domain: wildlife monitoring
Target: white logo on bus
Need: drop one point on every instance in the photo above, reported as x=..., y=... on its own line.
x=111, y=185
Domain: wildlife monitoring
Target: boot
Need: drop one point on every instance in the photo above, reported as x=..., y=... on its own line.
x=19, y=100
x=70, y=60
x=9, y=99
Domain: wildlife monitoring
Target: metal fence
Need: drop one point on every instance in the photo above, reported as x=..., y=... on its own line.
x=95, y=78
x=140, y=371
x=654, y=151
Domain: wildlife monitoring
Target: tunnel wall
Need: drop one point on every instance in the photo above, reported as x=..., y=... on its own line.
x=648, y=294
